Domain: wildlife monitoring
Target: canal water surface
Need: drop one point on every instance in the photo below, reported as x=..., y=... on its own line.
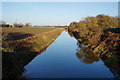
x=60, y=61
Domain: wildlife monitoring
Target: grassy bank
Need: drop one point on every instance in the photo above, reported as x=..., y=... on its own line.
x=13, y=37
x=21, y=45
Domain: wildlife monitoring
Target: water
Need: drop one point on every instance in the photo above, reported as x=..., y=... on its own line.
x=60, y=61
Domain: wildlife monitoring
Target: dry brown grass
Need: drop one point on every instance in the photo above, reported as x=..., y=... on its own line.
x=17, y=36
x=30, y=30
x=21, y=45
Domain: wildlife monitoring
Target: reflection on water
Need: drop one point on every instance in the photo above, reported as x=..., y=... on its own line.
x=67, y=58
x=71, y=34
x=85, y=55
x=112, y=61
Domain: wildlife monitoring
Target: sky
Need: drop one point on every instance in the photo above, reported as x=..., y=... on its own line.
x=60, y=0
x=54, y=13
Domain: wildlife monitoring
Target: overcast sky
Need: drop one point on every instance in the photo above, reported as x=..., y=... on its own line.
x=54, y=13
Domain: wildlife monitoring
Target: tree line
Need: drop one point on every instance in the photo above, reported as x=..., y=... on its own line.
x=3, y=24
x=100, y=33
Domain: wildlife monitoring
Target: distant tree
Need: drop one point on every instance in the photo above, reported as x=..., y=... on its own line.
x=7, y=25
x=27, y=25
x=20, y=25
x=65, y=26
x=15, y=25
x=2, y=24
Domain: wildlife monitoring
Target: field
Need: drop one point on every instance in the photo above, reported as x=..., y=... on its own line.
x=10, y=35
x=29, y=30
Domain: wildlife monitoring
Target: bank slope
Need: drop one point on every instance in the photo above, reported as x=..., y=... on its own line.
x=17, y=53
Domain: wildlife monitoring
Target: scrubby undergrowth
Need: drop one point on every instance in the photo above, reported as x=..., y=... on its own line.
x=101, y=34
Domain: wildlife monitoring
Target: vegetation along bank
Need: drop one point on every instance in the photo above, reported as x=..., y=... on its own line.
x=101, y=38
x=101, y=34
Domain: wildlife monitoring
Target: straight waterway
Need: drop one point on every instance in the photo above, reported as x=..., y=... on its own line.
x=60, y=60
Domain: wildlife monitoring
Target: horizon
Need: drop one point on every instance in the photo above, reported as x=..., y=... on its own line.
x=54, y=13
